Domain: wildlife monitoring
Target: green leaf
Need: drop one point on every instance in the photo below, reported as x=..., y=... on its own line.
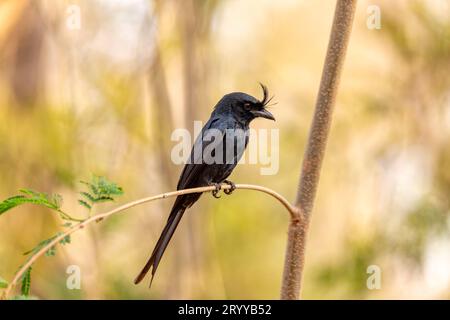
x=30, y=192
x=100, y=190
x=40, y=245
x=3, y=283
x=51, y=252
x=57, y=200
x=106, y=187
x=91, y=186
x=65, y=240
x=26, y=283
x=103, y=199
x=11, y=203
x=33, y=197
x=88, y=196
x=85, y=204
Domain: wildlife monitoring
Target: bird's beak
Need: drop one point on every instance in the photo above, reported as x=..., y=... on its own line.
x=263, y=114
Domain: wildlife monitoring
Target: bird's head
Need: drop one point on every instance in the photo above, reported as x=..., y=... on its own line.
x=245, y=107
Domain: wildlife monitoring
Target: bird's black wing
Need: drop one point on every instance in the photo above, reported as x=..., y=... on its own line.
x=192, y=171
x=194, y=174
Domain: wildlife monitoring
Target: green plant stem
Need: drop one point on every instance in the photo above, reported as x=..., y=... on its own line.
x=66, y=216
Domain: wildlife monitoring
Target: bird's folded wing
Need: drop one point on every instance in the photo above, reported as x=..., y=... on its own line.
x=196, y=164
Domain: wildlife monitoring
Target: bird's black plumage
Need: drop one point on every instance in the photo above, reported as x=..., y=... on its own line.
x=215, y=154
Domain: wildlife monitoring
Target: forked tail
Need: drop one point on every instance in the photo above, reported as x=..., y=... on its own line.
x=161, y=245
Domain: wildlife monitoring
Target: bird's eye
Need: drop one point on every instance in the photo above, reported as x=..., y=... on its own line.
x=247, y=106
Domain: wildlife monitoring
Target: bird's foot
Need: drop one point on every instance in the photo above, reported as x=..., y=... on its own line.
x=232, y=187
x=217, y=190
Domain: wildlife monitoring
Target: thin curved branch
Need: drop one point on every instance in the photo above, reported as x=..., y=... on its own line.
x=293, y=211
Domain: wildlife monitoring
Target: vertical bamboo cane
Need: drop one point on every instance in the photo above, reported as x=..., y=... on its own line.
x=337, y=46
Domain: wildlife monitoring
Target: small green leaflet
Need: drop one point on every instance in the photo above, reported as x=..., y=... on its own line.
x=26, y=278
x=65, y=240
x=99, y=190
x=39, y=246
x=85, y=204
x=52, y=250
x=88, y=196
x=100, y=186
x=26, y=283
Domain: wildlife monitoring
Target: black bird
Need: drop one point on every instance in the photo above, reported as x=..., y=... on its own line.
x=212, y=160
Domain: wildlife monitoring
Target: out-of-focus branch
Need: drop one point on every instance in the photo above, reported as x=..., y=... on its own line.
x=162, y=104
x=25, y=64
x=163, y=112
x=318, y=135
x=100, y=217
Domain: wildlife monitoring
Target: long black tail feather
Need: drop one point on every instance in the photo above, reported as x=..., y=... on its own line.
x=167, y=233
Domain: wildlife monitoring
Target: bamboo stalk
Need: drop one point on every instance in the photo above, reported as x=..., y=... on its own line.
x=318, y=135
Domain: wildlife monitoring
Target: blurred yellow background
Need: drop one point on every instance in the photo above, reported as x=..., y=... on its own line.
x=101, y=95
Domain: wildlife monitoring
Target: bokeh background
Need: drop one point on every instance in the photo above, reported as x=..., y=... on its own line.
x=104, y=98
